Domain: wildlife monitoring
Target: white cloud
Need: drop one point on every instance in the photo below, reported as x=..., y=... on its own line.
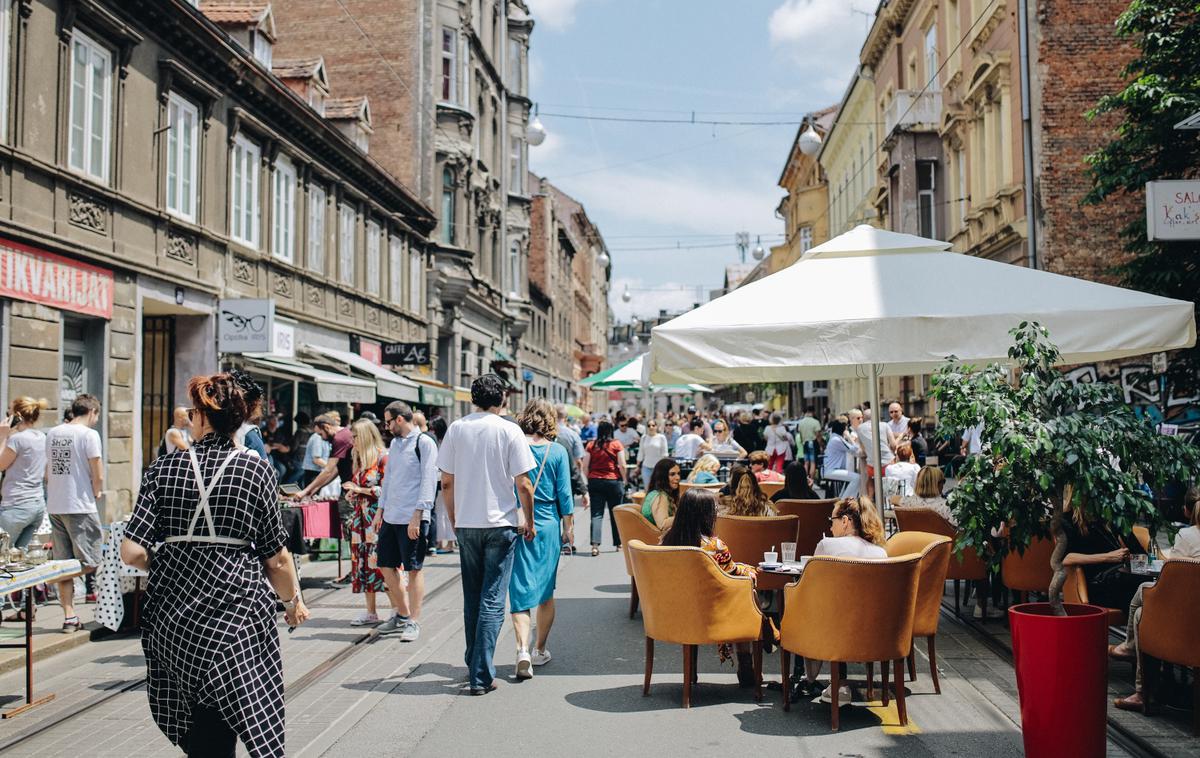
x=648, y=299
x=555, y=15
x=823, y=38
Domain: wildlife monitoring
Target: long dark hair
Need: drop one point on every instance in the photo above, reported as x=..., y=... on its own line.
x=695, y=519
x=604, y=433
x=660, y=479
x=795, y=482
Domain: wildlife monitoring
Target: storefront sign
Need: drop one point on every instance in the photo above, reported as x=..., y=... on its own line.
x=371, y=350
x=443, y=398
x=406, y=353
x=30, y=274
x=1173, y=210
x=246, y=326
x=285, y=340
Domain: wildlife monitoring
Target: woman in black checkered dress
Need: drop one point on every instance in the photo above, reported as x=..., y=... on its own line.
x=209, y=626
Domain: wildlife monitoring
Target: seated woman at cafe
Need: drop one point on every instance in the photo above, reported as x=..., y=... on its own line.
x=857, y=533
x=704, y=471
x=796, y=484
x=746, y=498
x=903, y=467
x=694, y=526
x=857, y=530
x=927, y=494
x=839, y=452
x=722, y=442
x=1093, y=547
x=759, y=464
x=1186, y=545
x=662, y=494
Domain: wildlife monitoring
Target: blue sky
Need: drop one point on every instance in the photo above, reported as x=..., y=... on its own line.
x=655, y=189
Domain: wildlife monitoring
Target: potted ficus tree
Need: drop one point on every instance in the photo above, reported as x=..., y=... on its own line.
x=1053, y=449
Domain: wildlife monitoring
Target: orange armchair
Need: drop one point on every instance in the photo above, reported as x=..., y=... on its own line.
x=770, y=488
x=934, y=550
x=632, y=525
x=717, y=608
x=1028, y=572
x=1075, y=591
x=847, y=609
x=965, y=566
x=748, y=537
x=1167, y=632
x=813, y=521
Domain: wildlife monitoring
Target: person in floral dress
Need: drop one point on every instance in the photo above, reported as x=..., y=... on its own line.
x=363, y=490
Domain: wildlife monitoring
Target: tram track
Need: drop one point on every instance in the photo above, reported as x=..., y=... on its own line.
x=1117, y=733
x=290, y=690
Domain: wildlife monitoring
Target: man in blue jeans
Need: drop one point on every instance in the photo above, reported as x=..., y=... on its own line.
x=485, y=463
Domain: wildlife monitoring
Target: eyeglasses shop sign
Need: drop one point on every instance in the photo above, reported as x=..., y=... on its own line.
x=246, y=326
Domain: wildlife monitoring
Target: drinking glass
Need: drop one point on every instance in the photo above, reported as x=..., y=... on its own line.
x=788, y=549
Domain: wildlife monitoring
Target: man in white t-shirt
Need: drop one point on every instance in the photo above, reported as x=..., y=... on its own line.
x=482, y=457
x=74, y=481
x=972, y=441
x=688, y=445
x=897, y=424
x=868, y=432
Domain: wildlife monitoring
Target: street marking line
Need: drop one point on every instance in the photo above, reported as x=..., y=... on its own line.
x=889, y=719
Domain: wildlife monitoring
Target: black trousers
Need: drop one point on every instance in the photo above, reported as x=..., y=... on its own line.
x=210, y=736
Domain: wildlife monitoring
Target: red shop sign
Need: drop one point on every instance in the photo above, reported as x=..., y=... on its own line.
x=371, y=350
x=30, y=274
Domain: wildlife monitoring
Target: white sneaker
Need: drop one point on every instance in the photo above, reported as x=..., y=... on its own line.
x=541, y=657
x=844, y=696
x=411, y=631
x=524, y=665
x=365, y=619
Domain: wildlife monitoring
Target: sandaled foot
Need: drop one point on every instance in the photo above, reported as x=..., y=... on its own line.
x=1121, y=653
x=1133, y=703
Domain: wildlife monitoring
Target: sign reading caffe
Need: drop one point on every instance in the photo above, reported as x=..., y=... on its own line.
x=27, y=273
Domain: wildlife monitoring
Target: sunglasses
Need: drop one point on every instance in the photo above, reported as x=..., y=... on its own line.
x=831, y=519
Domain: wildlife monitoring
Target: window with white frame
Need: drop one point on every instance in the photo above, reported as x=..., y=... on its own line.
x=514, y=268
x=373, y=253
x=449, y=73
x=5, y=13
x=931, y=58
x=91, y=105
x=316, y=228
x=262, y=49
x=396, y=270
x=516, y=166
x=416, y=274
x=283, y=210
x=960, y=159
x=346, y=243
x=243, y=192
x=805, y=239
x=183, y=132
x=516, y=66
x=926, y=210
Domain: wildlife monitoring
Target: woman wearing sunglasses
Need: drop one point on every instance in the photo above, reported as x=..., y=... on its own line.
x=857, y=530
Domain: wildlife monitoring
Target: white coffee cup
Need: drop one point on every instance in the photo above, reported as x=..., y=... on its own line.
x=770, y=557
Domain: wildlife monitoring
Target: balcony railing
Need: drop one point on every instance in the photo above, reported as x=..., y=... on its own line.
x=913, y=110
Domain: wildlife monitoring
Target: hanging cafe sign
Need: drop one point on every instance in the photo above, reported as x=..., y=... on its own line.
x=406, y=353
x=1173, y=210
x=27, y=273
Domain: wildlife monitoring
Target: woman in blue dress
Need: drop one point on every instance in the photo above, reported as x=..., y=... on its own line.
x=535, y=565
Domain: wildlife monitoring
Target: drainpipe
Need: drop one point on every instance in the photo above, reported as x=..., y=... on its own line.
x=1027, y=133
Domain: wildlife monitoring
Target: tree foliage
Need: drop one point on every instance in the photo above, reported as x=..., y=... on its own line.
x=1162, y=88
x=1048, y=443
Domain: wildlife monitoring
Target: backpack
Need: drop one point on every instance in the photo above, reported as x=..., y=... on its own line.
x=417, y=449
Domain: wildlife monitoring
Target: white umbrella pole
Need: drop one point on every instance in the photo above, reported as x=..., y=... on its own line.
x=876, y=423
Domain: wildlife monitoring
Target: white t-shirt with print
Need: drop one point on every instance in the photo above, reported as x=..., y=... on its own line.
x=485, y=453
x=69, y=450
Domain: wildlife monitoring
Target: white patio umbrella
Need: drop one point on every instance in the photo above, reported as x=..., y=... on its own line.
x=876, y=303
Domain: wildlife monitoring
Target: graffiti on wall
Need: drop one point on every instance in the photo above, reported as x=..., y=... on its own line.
x=1150, y=394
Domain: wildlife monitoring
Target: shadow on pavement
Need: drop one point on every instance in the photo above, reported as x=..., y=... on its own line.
x=619, y=589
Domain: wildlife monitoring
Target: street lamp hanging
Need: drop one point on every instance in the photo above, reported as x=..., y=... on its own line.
x=535, y=133
x=759, y=252
x=603, y=259
x=810, y=141
x=626, y=296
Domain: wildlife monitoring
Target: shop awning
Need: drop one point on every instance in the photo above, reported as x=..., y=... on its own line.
x=331, y=387
x=462, y=394
x=435, y=393
x=388, y=384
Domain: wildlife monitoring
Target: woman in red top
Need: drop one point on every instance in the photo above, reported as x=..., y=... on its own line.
x=606, y=481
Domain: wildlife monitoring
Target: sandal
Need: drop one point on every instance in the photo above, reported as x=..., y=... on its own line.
x=1116, y=656
x=1132, y=702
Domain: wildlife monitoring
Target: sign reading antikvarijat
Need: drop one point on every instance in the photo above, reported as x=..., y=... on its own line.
x=406, y=353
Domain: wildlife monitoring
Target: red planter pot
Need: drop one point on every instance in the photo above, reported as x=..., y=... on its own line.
x=1062, y=678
